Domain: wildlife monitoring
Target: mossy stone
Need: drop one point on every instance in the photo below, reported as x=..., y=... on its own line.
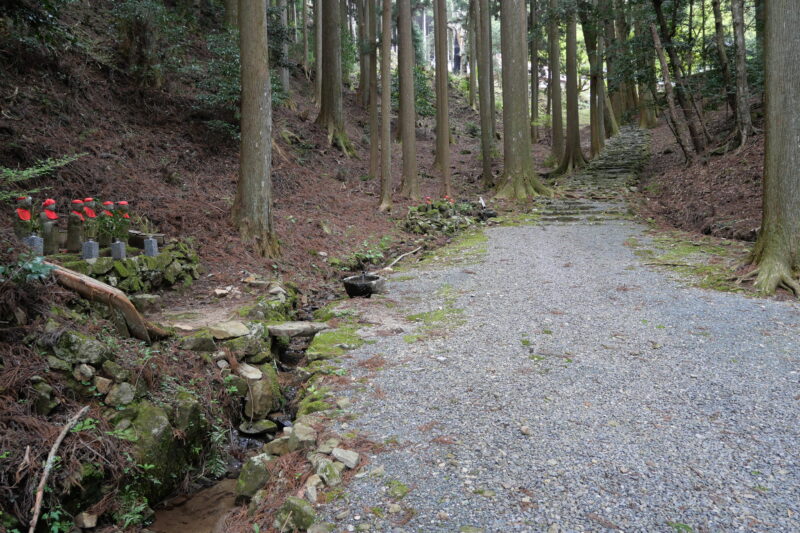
x=296, y=514
x=202, y=341
x=75, y=347
x=102, y=265
x=254, y=475
x=115, y=371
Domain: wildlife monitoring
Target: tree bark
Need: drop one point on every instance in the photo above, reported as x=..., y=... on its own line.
x=744, y=122
x=719, y=33
x=534, y=37
x=589, y=18
x=684, y=98
x=678, y=125
x=318, y=50
x=362, y=95
x=330, y=113
x=473, y=56
x=386, y=107
x=232, y=13
x=304, y=16
x=282, y=6
x=519, y=178
x=372, y=60
x=777, y=251
x=557, y=119
x=442, y=106
x=252, y=208
x=573, y=155
x=484, y=89
x=408, y=113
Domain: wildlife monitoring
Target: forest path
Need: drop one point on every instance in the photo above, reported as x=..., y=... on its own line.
x=547, y=380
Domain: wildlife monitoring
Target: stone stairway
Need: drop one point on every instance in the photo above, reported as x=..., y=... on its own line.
x=597, y=192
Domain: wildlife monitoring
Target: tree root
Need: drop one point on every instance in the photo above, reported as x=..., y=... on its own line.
x=772, y=275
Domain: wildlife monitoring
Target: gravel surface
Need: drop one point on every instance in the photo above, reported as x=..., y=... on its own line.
x=570, y=388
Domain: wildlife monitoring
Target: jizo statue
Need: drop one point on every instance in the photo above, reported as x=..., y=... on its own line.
x=75, y=223
x=49, y=219
x=106, y=223
x=23, y=224
x=90, y=218
x=123, y=221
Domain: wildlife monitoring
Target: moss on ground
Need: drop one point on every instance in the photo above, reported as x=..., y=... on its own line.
x=435, y=322
x=705, y=262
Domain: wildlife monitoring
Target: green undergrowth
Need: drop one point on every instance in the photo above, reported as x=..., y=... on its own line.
x=701, y=261
x=467, y=249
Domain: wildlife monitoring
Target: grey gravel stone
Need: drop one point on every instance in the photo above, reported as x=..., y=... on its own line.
x=648, y=409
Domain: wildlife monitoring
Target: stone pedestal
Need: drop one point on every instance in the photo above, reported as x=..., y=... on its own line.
x=35, y=243
x=118, y=250
x=91, y=250
x=150, y=247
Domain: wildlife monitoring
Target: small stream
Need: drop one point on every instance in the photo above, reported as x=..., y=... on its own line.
x=197, y=513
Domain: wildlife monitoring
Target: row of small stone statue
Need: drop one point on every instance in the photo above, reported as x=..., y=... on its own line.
x=87, y=229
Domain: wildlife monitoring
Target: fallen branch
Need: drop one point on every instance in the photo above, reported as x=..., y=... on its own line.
x=399, y=257
x=92, y=289
x=37, y=508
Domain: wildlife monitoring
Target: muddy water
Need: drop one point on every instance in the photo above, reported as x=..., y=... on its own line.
x=196, y=513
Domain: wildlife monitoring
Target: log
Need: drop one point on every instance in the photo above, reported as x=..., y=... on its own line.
x=95, y=290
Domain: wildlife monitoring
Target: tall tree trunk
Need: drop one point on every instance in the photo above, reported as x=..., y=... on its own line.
x=744, y=123
x=252, y=209
x=557, y=117
x=386, y=107
x=232, y=13
x=330, y=113
x=282, y=7
x=777, y=251
x=589, y=17
x=374, y=123
x=442, y=159
x=362, y=95
x=573, y=155
x=473, y=56
x=684, y=98
x=648, y=114
x=519, y=178
x=408, y=112
x=534, y=37
x=318, y=49
x=304, y=16
x=484, y=89
x=730, y=93
x=678, y=125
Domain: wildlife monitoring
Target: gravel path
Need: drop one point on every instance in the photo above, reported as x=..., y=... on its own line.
x=574, y=389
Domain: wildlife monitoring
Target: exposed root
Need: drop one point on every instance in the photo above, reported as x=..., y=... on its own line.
x=773, y=275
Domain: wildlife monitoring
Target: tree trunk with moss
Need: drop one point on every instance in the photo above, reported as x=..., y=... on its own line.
x=573, y=154
x=557, y=119
x=519, y=178
x=330, y=113
x=777, y=251
x=386, y=107
x=485, y=94
x=408, y=111
x=252, y=209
